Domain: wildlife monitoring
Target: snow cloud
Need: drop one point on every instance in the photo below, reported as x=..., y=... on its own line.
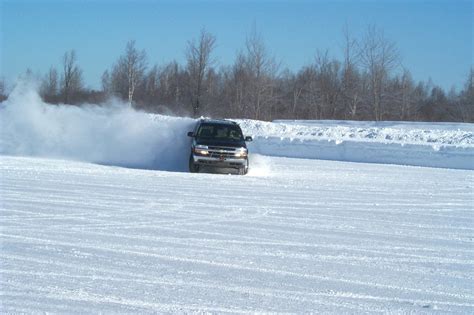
x=112, y=133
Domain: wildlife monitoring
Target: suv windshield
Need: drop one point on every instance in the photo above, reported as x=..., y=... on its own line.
x=222, y=132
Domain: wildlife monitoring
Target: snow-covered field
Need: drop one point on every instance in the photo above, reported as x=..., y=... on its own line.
x=295, y=236
x=98, y=214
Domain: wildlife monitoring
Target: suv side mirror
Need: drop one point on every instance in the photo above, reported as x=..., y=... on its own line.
x=190, y=134
x=248, y=138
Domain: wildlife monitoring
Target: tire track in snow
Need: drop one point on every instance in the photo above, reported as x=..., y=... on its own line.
x=234, y=266
x=276, y=293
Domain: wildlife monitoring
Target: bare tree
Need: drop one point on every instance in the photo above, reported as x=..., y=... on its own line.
x=151, y=87
x=406, y=101
x=129, y=72
x=262, y=70
x=49, y=84
x=199, y=59
x=136, y=65
x=296, y=85
x=71, y=79
x=378, y=56
x=328, y=86
x=466, y=103
x=106, y=82
x=171, y=84
x=310, y=95
x=235, y=87
x=350, y=85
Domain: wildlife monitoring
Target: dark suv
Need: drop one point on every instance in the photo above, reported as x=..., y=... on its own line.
x=218, y=144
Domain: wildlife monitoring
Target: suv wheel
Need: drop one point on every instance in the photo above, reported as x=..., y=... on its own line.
x=244, y=170
x=193, y=168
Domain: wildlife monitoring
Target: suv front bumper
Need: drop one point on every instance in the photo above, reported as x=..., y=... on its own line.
x=226, y=162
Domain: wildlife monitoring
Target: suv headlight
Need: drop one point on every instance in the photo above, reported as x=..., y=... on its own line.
x=242, y=152
x=201, y=149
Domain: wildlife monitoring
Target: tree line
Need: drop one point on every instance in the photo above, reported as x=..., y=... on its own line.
x=369, y=83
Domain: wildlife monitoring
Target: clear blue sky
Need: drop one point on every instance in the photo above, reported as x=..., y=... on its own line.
x=435, y=37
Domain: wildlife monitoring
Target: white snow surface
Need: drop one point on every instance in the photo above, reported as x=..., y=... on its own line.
x=295, y=235
x=98, y=215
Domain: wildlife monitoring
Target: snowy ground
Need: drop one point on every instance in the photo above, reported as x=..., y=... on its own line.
x=115, y=223
x=294, y=236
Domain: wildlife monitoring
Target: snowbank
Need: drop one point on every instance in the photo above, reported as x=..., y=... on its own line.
x=445, y=145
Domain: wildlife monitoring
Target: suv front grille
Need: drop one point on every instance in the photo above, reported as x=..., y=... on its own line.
x=218, y=155
x=217, y=152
